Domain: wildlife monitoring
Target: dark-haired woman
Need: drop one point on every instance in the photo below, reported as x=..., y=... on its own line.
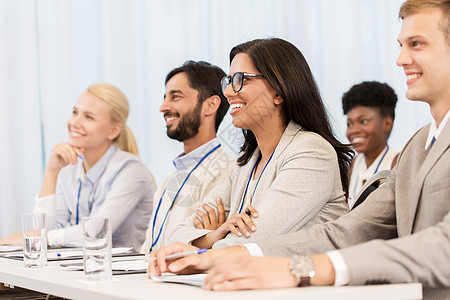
x=370, y=110
x=292, y=173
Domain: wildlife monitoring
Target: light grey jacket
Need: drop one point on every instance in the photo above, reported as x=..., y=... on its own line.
x=413, y=205
x=300, y=187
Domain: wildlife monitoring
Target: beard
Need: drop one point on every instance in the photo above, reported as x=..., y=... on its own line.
x=188, y=125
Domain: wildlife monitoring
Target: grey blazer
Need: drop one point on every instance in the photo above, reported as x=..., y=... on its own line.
x=411, y=210
x=300, y=187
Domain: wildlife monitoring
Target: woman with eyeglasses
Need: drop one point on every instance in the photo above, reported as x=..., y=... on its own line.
x=96, y=172
x=292, y=172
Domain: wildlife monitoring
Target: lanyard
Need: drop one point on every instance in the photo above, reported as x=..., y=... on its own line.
x=173, y=201
x=376, y=170
x=78, y=201
x=250, y=177
x=379, y=163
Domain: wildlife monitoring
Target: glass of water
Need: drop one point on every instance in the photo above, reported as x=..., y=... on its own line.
x=97, y=248
x=34, y=238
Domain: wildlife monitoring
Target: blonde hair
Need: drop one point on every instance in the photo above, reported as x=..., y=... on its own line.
x=119, y=113
x=411, y=7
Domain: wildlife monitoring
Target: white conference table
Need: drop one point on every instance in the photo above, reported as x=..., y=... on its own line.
x=71, y=284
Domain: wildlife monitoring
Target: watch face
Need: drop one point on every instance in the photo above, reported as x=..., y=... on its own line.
x=302, y=268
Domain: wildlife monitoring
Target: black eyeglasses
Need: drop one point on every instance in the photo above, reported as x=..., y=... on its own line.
x=237, y=81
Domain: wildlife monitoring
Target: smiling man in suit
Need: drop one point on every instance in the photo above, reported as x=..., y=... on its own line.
x=401, y=233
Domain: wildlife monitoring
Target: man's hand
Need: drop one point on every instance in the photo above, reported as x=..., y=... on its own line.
x=179, y=266
x=192, y=264
x=248, y=272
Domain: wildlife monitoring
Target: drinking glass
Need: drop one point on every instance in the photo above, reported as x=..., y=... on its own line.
x=34, y=238
x=97, y=248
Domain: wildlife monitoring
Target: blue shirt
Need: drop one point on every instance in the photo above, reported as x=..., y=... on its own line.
x=185, y=161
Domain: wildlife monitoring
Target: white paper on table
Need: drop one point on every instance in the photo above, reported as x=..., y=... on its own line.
x=78, y=253
x=52, y=255
x=130, y=265
x=194, y=279
x=9, y=248
x=73, y=266
x=121, y=265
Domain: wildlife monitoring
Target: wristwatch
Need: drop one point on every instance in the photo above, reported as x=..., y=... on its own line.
x=302, y=268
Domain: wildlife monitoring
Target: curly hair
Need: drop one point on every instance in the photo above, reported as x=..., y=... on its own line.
x=371, y=94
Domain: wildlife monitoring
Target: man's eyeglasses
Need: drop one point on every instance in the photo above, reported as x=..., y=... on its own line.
x=237, y=81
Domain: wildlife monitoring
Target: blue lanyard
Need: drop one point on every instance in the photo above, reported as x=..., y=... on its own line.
x=376, y=170
x=173, y=201
x=379, y=163
x=432, y=141
x=250, y=177
x=78, y=202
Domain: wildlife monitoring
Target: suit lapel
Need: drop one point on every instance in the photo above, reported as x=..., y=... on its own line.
x=271, y=170
x=266, y=180
x=432, y=156
x=289, y=133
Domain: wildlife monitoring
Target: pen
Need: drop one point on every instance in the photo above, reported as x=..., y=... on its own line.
x=181, y=254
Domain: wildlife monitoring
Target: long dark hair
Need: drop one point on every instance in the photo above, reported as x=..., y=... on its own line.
x=287, y=71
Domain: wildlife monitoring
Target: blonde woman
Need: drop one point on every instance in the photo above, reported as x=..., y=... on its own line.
x=97, y=172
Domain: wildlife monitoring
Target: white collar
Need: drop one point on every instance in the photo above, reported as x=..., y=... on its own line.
x=436, y=131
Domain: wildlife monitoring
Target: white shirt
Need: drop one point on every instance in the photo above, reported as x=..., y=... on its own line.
x=435, y=131
x=118, y=185
x=361, y=173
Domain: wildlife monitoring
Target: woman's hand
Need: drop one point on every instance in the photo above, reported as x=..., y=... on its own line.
x=62, y=155
x=12, y=239
x=209, y=220
x=239, y=224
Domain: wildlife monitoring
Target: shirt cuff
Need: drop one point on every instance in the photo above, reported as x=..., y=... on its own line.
x=46, y=204
x=342, y=273
x=55, y=237
x=253, y=249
